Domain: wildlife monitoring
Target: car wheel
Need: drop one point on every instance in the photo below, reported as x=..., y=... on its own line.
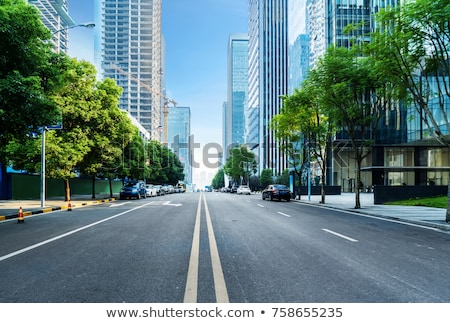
x=263, y=196
x=271, y=197
x=287, y=200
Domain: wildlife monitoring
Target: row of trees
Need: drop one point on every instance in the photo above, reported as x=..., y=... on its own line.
x=406, y=62
x=40, y=88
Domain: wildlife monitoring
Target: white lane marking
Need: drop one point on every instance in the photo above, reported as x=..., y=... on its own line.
x=120, y=204
x=286, y=215
x=37, y=245
x=379, y=218
x=219, y=279
x=260, y=205
x=190, y=292
x=176, y=205
x=340, y=235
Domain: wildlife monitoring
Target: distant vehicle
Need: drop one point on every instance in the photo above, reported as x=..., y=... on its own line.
x=277, y=191
x=244, y=189
x=170, y=189
x=151, y=190
x=133, y=189
x=159, y=190
x=181, y=187
x=234, y=189
x=165, y=188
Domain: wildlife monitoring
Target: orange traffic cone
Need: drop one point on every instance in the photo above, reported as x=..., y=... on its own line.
x=69, y=206
x=20, y=218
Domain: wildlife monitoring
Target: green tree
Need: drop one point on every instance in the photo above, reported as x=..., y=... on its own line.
x=353, y=97
x=110, y=129
x=305, y=131
x=29, y=73
x=219, y=179
x=411, y=47
x=240, y=165
x=266, y=177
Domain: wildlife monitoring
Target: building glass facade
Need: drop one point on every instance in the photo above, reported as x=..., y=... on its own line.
x=237, y=90
x=268, y=78
x=179, y=135
x=55, y=16
x=130, y=48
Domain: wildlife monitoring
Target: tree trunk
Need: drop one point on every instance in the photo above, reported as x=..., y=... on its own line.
x=322, y=190
x=66, y=190
x=110, y=187
x=357, y=184
x=93, y=187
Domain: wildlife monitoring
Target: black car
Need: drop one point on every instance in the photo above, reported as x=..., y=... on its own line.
x=277, y=191
x=133, y=189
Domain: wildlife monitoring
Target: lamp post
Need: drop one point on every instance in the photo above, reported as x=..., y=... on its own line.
x=88, y=25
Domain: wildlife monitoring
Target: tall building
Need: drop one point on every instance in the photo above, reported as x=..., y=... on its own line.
x=299, y=43
x=237, y=90
x=129, y=49
x=55, y=16
x=179, y=138
x=268, y=74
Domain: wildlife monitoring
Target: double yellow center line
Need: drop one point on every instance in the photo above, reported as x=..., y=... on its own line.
x=190, y=294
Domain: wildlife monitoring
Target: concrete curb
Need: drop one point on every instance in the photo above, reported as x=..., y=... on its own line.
x=55, y=208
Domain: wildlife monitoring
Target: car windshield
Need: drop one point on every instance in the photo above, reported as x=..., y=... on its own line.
x=130, y=184
x=280, y=187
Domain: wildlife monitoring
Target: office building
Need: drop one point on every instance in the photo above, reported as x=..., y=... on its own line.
x=129, y=49
x=179, y=138
x=55, y=16
x=268, y=74
x=299, y=43
x=237, y=91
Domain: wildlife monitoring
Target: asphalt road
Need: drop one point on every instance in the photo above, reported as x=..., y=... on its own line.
x=219, y=247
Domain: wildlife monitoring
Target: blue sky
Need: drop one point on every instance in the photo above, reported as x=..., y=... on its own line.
x=196, y=34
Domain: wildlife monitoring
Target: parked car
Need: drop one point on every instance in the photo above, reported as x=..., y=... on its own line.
x=170, y=189
x=234, y=189
x=244, y=189
x=151, y=190
x=159, y=190
x=133, y=190
x=277, y=191
x=165, y=188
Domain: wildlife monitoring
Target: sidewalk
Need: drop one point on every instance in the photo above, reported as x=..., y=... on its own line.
x=419, y=215
x=9, y=209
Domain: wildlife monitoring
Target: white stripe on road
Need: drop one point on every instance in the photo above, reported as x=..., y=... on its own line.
x=286, y=215
x=260, y=205
x=37, y=245
x=340, y=235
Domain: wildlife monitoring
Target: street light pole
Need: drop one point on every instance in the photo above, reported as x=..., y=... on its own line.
x=43, y=168
x=89, y=25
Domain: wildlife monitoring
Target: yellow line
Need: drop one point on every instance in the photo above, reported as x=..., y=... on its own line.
x=219, y=279
x=190, y=293
x=2, y=218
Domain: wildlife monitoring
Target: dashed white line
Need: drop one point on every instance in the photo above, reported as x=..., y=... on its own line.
x=340, y=235
x=260, y=205
x=286, y=215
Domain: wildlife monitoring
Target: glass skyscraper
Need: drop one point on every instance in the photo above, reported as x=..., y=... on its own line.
x=237, y=91
x=129, y=49
x=179, y=137
x=268, y=74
